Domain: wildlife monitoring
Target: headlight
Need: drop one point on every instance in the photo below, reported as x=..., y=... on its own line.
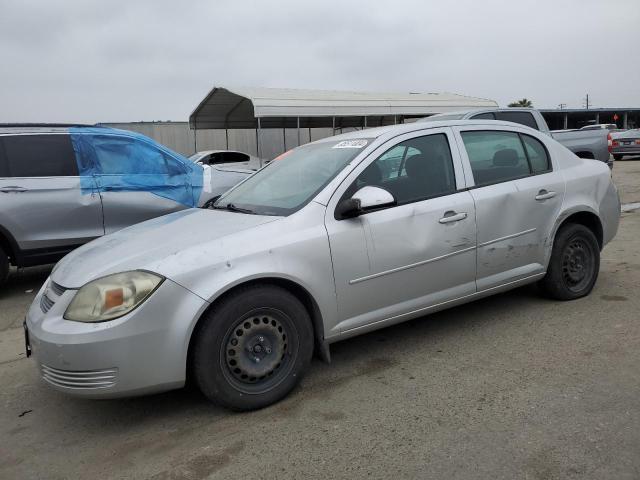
x=112, y=296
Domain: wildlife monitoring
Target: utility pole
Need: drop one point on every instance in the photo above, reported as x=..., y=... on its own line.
x=562, y=105
x=587, y=101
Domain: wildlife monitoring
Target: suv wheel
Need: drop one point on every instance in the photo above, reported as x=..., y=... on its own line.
x=252, y=348
x=574, y=264
x=4, y=266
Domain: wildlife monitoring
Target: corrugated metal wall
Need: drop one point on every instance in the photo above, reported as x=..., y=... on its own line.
x=179, y=137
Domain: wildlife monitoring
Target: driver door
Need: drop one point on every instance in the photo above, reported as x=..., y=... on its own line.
x=395, y=262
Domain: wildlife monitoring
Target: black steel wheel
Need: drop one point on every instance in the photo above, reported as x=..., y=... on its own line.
x=574, y=264
x=252, y=348
x=258, y=350
x=577, y=264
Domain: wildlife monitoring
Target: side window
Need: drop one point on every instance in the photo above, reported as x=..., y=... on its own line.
x=495, y=156
x=484, y=116
x=425, y=171
x=523, y=118
x=538, y=156
x=391, y=162
x=234, y=157
x=39, y=156
x=126, y=156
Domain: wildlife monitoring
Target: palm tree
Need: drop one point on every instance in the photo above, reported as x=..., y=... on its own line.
x=522, y=103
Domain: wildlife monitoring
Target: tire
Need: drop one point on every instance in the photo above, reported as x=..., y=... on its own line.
x=253, y=348
x=4, y=267
x=574, y=264
x=617, y=157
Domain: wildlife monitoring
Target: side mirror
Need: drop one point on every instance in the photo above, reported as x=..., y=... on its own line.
x=364, y=200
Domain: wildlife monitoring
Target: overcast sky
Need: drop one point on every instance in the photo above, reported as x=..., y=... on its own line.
x=90, y=61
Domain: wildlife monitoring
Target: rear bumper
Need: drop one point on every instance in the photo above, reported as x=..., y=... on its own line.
x=634, y=150
x=142, y=352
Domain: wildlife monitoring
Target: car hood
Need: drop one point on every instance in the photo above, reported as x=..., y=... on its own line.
x=155, y=245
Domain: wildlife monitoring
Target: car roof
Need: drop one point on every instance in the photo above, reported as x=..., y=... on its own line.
x=31, y=128
x=395, y=130
x=208, y=152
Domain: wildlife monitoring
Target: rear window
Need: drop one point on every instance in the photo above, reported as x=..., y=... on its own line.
x=484, y=116
x=523, y=118
x=38, y=156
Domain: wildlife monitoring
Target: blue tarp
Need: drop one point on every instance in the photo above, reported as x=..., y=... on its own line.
x=123, y=161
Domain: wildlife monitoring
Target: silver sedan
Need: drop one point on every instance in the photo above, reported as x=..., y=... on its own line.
x=336, y=238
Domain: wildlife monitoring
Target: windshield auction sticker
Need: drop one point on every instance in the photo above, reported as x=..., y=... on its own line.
x=351, y=144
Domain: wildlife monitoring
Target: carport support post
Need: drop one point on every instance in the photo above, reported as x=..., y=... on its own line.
x=226, y=137
x=597, y=117
x=298, y=120
x=258, y=142
x=624, y=120
x=195, y=136
x=565, y=121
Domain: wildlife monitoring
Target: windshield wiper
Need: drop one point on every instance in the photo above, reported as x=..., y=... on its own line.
x=232, y=208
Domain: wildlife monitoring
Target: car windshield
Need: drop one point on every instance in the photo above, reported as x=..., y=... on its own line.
x=290, y=181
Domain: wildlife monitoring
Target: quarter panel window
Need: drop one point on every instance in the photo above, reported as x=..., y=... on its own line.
x=39, y=156
x=538, y=156
x=495, y=156
x=422, y=168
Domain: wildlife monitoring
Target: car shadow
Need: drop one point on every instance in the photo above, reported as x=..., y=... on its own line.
x=352, y=357
x=24, y=279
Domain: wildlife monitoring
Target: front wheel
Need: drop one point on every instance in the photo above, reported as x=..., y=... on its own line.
x=617, y=157
x=4, y=267
x=574, y=264
x=252, y=348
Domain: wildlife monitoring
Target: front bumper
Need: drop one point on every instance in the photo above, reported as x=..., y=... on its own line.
x=142, y=352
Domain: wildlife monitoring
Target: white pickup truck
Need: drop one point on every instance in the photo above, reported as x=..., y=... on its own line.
x=584, y=143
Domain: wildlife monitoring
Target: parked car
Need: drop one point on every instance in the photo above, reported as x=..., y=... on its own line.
x=625, y=143
x=61, y=186
x=227, y=158
x=600, y=126
x=335, y=239
x=584, y=143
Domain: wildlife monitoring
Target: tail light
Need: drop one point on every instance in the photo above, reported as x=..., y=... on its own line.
x=637, y=142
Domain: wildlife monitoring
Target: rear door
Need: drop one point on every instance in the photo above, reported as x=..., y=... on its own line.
x=42, y=204
x=138, y=181
x=517, y=195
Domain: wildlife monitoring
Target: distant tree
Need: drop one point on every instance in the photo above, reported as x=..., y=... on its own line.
x=522, y=103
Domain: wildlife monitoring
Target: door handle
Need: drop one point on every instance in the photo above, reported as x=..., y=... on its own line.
x=545, y=195
x=12, y=189
x=451, y=216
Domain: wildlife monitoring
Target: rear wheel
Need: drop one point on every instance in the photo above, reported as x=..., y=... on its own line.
x=574, y=264
x=617, y=157
x=252, y=348
x=4, y=266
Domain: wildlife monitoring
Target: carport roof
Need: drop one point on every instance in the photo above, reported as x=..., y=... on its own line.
x=281, y=107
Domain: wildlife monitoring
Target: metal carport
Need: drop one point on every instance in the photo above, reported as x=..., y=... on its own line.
x=257, y=108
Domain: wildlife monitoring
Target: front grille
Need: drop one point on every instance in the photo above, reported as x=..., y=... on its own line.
x=92, y=379
x=46, y=303
x=57, y=289
x=53, y=289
